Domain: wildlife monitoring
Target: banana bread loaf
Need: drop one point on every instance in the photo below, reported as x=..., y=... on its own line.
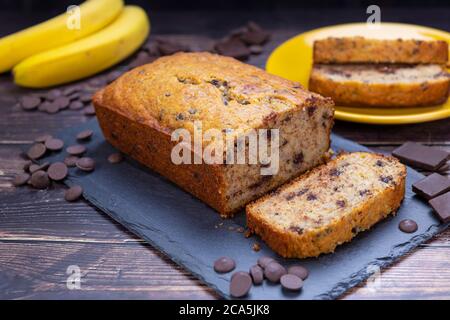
x=328, y=205
x=363, y=50
x=381, y=85
x=139, y=111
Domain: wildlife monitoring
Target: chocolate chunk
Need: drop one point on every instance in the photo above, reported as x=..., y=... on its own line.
x=240, y=284
x=40, y=180
x=29, y=103
x=170, y=47
x=408, y=226
x=43, y=138
x=54, y=144
x=36, y=151
x=85, y=135
x=71, y=161
x=89, y=111
x=76, y=105
x=252, y=37
x=441, y=206
x=76, y=150
x=57, y=171
x=420, y=156
x=86, y=164
x=291, y=282
x=273, y=271
x=264, y=261
x=257, y=274
x=233, y=47
x=73, y=193
x=224, y=265
x=115, y=157
x=20, y=179
x=298, y=271
x=432, y=186
x=35, y=167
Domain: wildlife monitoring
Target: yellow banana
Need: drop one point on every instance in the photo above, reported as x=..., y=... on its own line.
x=93, y=16
x=87, y=56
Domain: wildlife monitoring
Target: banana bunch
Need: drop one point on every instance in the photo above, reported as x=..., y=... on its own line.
x=52, y=53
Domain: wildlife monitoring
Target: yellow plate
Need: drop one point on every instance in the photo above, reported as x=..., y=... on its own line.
x=293, y=60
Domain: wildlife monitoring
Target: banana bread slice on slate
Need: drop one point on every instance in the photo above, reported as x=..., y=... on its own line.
x=364, y=50
x=139, y=111
x=328, y=205
x=381, y=85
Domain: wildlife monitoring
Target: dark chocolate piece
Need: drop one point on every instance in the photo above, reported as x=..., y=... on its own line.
x=291, y=282
x=432, y=186
x=420, y=156
x=224, y=265
x=441, y=206
x=40, y=180
x=73, y=193
x=274, y=271
x=20, y=179
x=264, y=261
x=240, y=284
x=299, y=271
x=57, y=171
x=36, y=151
x=257, y=274
x=408, y=226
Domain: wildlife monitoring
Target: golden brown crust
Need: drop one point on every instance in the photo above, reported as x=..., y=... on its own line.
x=324, y=239
x=355, y=93
x=363, y=50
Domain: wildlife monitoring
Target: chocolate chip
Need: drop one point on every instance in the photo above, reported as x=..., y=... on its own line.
x=73, y=193
x=70, y=90
x=43, y=106
x=26, y=165
x=40, y=180
x=53, y=94
x=76, y=105
x=291, y=282
x=35, y=167
x=43, y=138
x=36, y=151
x=273, y=271
x=240, y=284
x=62, y=103
x=57, y=171
x=298, y=271
x=71, y=161
x=52, y=108
x=86, y=164
x=408, y=226
x=54, y=144
x=432, y=186
x=441, y=206
x=76, y=150
x=420, y=156
x=89, y=111
x=84, y=135
x=264, y=261
x=224, y=265
x=29, y=103
x=257, y=274
x=20, y=179
x=115, y=157
x=86, y=97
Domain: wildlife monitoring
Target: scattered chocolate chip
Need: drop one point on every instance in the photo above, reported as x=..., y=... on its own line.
x=273, y=271
x=54, y=144
x=441, y=206
x=264, y=261
x=36, y=151
x=432, y=186
x=76, y=150
x=26, y=165
x=299, y=271
x=73, y=193
x=76, y=105
x=420, y=156
x=291, y=282
x=86, y=164
x=36, y=167
x=84, y=135
x=224, y=265
x=57, y=171
x=408, y=226
x=29, y=103
x=71, y=161
x=53, y=94
x=89, y=111
x=43, y=106
x=115, y=157
x=257, y=274
x=40, y=180
x=52, y=108
x=43, y=138
x=62, y=102
x=69, y=90
x=240, y=284
x=86, y=97
x=20, y=179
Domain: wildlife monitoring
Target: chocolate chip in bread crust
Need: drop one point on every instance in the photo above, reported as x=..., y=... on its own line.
x=291, y=282
x=36, y=151
x=224, y=265
x=257, y=274
x=273, y=271
x=299, y=271
x=408, y=226
x=57, y=171
x=73, y=193
x=240, y=284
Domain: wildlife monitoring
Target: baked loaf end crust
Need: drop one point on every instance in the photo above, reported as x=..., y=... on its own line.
x=363, y=50
x=138, y=112
x=329, y=205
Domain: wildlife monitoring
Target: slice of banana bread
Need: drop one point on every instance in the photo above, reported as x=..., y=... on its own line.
x=377, y=85
x=200, y=91
x=363, y=50
x=328, y=205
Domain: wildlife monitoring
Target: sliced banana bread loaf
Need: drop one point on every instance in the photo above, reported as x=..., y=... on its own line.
x=363, y=50
x=381, y=85
x=139, y=111
x=328, y=205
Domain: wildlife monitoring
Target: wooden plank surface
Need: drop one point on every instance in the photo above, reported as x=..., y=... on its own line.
x=41, y=234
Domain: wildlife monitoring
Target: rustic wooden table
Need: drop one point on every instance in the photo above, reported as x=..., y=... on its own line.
x=41, y=234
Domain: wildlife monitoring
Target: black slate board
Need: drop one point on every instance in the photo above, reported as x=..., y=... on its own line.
x=193, y=235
